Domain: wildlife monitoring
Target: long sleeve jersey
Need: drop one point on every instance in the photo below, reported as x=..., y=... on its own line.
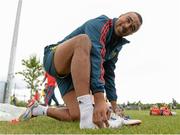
x=104, y=53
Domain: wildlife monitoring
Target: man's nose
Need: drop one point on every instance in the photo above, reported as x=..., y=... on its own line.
x=128, y=25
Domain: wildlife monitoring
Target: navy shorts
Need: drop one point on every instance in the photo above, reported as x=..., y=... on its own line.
x=65, y=83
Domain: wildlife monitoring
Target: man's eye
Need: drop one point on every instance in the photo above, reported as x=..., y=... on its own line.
x=128, y=20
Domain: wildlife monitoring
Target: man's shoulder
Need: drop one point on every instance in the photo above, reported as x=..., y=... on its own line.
x=95, y=25
x=99, y=18
x=98, y=21
x=103, y=16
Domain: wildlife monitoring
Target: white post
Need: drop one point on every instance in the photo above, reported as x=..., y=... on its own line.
x=10, y=76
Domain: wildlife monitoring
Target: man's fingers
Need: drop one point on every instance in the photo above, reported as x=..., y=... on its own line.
x=100, y=120
x=100, y=117
x=101, y=125
x=119, y=112
x=97, y=120
x=106, y=123
x=105, y=119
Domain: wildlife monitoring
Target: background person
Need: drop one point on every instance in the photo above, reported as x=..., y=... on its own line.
x=50, y=95
x=37, y=96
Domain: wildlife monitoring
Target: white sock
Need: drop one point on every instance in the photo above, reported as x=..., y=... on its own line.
x=86, y=112
x=39, y=110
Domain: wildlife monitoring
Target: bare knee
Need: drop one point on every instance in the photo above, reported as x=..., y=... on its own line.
x=83, y=42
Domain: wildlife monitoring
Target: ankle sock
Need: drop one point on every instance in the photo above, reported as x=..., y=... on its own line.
x=86, y=112
x=39, y=110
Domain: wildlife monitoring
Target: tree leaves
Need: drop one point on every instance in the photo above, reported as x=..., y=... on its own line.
x=32, y=72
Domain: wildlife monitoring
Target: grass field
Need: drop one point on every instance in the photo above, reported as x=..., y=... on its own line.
x=45, y=125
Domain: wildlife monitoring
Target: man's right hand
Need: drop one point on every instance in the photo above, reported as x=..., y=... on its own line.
x=100, y=113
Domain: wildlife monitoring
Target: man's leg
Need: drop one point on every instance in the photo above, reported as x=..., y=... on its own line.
x=73, y=56
x=74, y=110
x=70, y=112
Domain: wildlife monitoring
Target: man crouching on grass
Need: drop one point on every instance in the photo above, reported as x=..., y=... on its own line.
x=84, y=62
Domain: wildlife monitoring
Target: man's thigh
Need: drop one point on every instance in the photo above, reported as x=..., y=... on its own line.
x=63, y=55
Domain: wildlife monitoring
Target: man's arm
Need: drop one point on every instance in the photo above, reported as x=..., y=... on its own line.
x=110, y=85
x=97, y=86
x=97, y=30
x=110, y=79
x=100, y=113
x=93, y=30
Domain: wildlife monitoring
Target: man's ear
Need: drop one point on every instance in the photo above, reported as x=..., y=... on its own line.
x=121, y=15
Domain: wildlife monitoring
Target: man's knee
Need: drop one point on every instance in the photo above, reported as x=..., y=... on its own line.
x=83, y=42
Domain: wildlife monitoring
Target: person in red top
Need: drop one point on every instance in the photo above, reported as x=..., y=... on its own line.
x=51, y=83
x=37, y=96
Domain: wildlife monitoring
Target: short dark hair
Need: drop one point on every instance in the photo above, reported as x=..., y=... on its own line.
x=140, y=17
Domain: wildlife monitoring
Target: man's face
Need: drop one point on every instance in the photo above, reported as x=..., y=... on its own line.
x=127, y=24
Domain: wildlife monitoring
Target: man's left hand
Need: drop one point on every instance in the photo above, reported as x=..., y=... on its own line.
x=116, y=109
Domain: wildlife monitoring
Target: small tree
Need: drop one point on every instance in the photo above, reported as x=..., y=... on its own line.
x=32, y=72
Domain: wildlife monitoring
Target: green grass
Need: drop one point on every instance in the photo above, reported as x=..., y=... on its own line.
x=45, y=125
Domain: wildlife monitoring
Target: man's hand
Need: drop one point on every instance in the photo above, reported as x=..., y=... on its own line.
x=101, y=112
x=116, y=109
